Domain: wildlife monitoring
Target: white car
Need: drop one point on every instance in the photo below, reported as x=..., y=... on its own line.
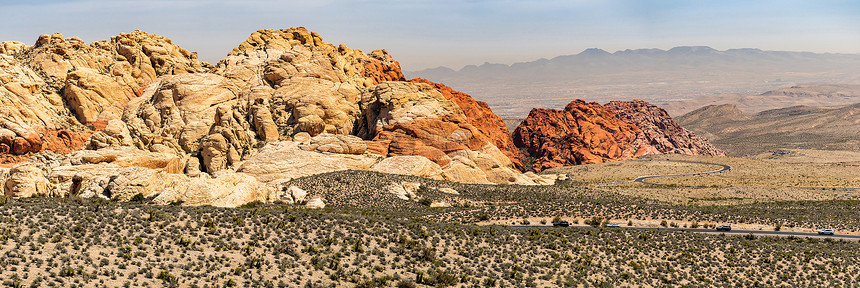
x=827, y=232
x=613, y=225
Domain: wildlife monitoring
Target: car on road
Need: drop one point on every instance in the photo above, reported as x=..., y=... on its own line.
x=724, y=228
x=610, y=225
x=827, y=232
x=561, y=223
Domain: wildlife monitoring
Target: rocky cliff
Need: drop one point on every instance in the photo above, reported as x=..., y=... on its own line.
x=482, y=117
x=659, y=133
x=585, y=133
x=140, y=115
x=582, y=133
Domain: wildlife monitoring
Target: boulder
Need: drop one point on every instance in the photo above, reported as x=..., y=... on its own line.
x=263, y=123
x=409, y=165
x=224, y=189
x=27, y=180
x=94, y=96
x=448, y=191
x=297, y=194
x=115, y=134
x=404, y=190
x=130, y=157
x=439, y=204
x=315, y=203
x=331, y=143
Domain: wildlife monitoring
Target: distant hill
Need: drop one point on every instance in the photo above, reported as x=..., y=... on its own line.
x=654, y=75
x=802, y=95
x=786, y=128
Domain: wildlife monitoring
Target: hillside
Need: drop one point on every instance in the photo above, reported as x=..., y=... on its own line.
x=786, y=128
x=653, y=75
x=829, y=95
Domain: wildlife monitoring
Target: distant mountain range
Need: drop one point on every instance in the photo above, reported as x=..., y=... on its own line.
x=828, y=95
x=654, y=75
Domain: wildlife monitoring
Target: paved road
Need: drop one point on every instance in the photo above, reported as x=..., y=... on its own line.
x=724, y=168
x=733, y=232
x=642, y=179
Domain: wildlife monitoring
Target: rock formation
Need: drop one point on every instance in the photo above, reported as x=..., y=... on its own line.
x=582, y=133
x=138, y=115
x=585, y=133
x=482, y=117
x=659, y=132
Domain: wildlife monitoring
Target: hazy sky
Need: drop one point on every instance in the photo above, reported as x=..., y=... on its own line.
x=425, y=34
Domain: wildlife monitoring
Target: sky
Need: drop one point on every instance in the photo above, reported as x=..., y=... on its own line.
x=426, y=34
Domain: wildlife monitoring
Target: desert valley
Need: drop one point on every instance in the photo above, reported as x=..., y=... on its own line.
x=294, y=162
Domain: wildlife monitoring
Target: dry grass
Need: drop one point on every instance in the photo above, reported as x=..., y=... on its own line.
x=623, y=171
x=761, y=178
x=803, y=170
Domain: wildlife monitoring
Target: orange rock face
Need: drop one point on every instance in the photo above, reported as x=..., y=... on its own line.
x=386, y=69
x=582, y=133
x=15, y=149
x=427, y=137
x=482, y=117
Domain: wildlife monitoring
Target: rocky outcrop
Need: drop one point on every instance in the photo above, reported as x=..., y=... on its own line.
x=282, y=161
x=585, y=133
x=95, y=97
x=410, y=165
x=332, y=143
x=482, y=117
x=154, y=121
x=415, y=119
x=27, y=180
x=659, y=133
x=582, y=133
x=95, y=81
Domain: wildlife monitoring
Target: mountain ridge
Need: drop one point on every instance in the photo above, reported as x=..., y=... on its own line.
x=653, y=75
x=677, y=50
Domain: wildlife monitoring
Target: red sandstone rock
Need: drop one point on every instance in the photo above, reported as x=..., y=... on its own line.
x=15, y=149
x=660, y=134
x=482, y=117
x=431, y=138
x=582, y=133
x=384, y=69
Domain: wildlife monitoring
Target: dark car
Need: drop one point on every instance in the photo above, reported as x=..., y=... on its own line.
x=561, y=223
x=724, y=228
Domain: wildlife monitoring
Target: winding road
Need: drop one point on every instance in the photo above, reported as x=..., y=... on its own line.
x=641, y=179
x=723, y=168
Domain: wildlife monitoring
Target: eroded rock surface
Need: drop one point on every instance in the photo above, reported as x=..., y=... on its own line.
x=482, y=117
x=582, y=133
x=138, y=115
x=660, y=133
